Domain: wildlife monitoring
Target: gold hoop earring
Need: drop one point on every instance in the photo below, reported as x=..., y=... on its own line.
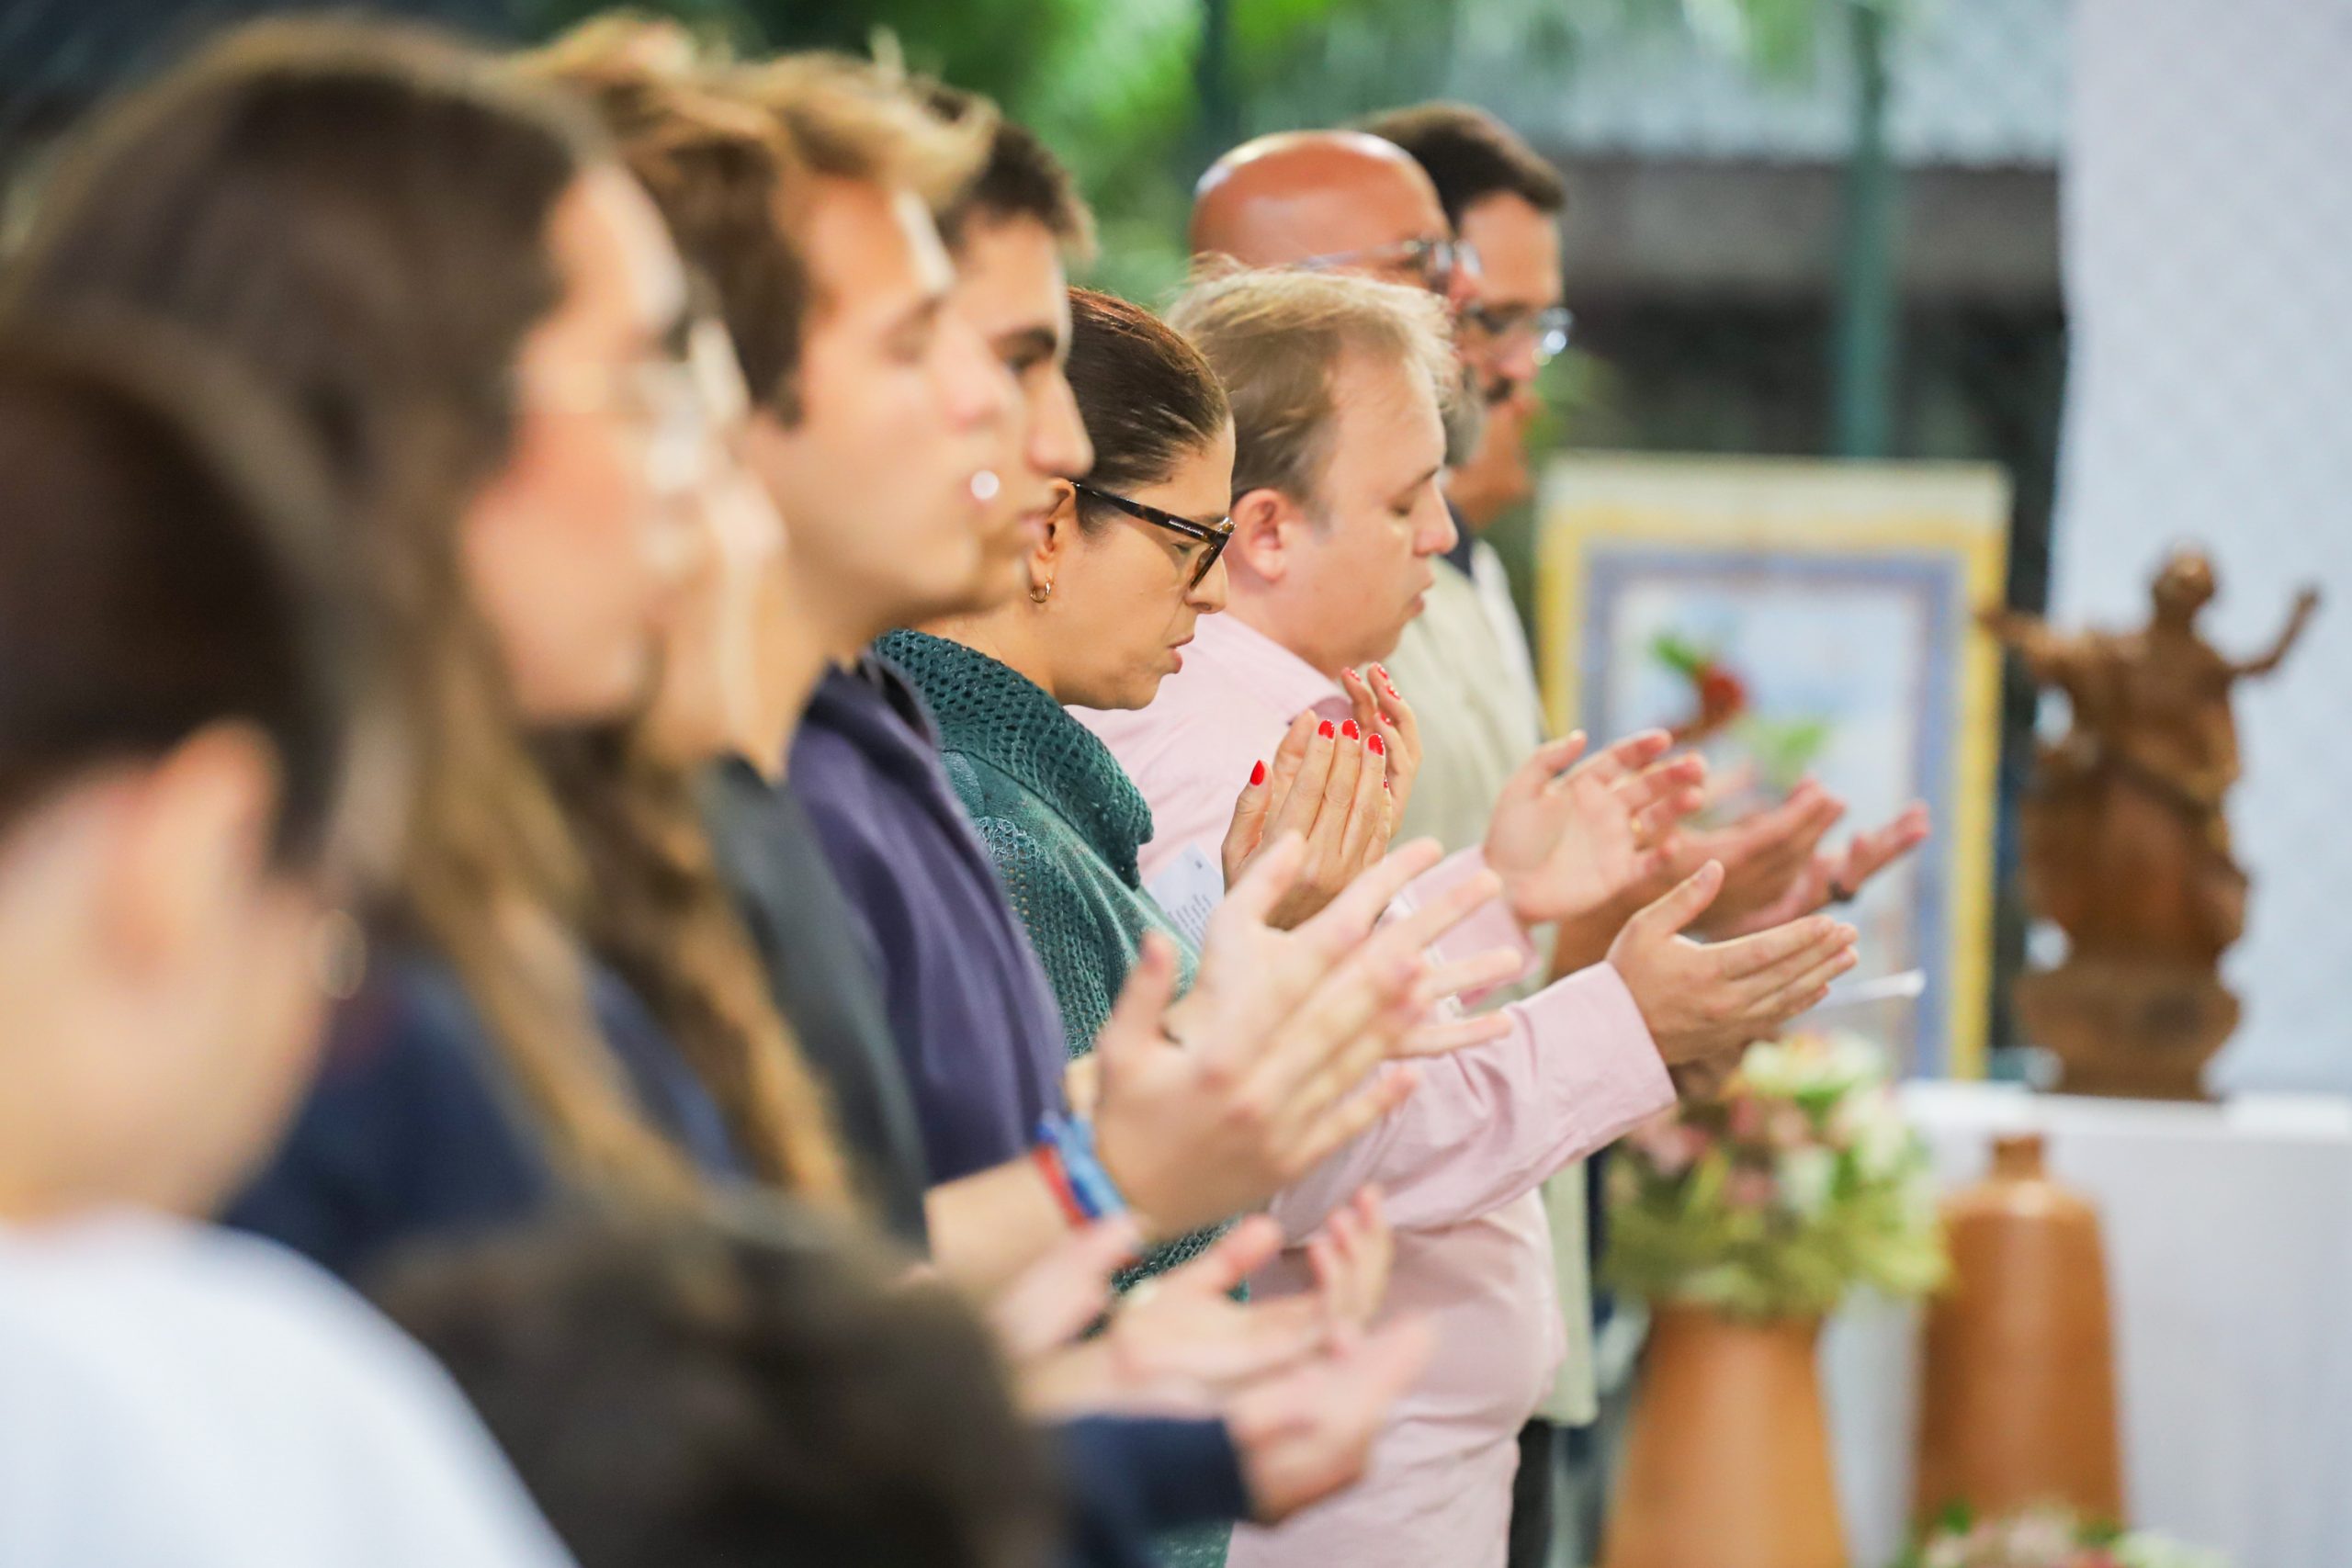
x=1041, y=592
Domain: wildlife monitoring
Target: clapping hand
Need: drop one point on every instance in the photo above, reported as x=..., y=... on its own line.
x=1302, y=1384
x=1181, y=1344
x=1208, y=1108
x=1704, y=1001
x=1774, y=868
x=1309, y=1433
x=1381, y=709
x=1571, y=841
x=1835, y=878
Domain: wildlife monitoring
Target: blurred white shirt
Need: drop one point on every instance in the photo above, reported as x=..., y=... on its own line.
x=176, y=1396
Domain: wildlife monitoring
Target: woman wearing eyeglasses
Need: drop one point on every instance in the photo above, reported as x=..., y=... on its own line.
x=1118, y=574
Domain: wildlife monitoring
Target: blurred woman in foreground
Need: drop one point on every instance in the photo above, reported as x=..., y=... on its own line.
x=482, y=320
x=178, y=684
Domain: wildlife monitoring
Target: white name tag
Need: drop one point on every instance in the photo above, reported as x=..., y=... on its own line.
x=1188, y=890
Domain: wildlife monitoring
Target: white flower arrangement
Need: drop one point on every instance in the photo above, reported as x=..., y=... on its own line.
x=1800, y=1182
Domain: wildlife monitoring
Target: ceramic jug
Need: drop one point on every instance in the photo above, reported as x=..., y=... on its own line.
x=1727, y=1461
x=2017, y=1396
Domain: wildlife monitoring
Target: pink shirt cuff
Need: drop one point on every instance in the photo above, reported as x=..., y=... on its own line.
x=1592, y=1017
x=1487, y=1124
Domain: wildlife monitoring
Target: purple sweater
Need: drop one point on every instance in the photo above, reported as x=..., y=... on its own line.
x=972, y=1014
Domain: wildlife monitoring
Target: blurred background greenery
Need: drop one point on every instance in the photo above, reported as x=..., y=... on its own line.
x=1138, y=96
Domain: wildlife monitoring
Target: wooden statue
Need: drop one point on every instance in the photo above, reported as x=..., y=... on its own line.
x=2126, y=845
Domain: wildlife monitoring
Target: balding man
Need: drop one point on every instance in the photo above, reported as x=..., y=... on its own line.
x=1364, y=204
x=1331, y=198
x=1403, y=206
x=1349, y=201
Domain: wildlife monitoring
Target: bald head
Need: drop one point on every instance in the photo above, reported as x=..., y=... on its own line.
x=1285, y=197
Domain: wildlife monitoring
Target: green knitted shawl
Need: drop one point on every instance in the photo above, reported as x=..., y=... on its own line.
x=1062, y=819
x=1063, y=822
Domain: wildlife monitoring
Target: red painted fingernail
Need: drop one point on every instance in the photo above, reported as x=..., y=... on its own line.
x=1351, y=674
x=1379, y=747
x=1351, y=731
x=1325, y=730
x=1258, y=775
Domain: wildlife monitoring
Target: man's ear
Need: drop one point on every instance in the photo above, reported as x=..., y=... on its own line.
x=195, y=831
x=1266, y=525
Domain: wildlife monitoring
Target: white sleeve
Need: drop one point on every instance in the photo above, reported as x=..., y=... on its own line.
x=215, y=1403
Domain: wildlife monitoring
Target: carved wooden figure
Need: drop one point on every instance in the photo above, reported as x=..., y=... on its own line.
x=2126, y=845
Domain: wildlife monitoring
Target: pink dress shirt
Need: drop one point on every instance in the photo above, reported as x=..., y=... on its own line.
x=1460, y=1161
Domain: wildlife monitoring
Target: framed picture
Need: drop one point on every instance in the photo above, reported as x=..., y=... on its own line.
x=1798, y=619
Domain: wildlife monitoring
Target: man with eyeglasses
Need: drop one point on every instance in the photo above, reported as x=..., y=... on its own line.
x=1356, y=202
x=1501, y=196
x=1379, y=201
x=1463, y=661
x=1338, y=201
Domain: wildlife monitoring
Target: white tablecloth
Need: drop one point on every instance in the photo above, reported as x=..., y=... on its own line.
x=2228, y=1251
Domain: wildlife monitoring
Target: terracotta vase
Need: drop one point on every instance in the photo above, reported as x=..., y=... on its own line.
x=1727, y=1461
x=2017, y=1399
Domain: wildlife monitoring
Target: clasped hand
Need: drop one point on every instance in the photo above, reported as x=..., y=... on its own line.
x=1339, y=786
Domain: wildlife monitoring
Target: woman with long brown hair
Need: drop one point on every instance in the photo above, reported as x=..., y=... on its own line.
x=484, y=321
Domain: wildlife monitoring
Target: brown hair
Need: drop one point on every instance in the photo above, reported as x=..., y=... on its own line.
x=1470, y=155
x=1277, y=339
x=729, y=153
x=759, y=1390
x=1022, y=178
x=360, y=212
x=663, y=918
x=164, y=568
x=1146, y=396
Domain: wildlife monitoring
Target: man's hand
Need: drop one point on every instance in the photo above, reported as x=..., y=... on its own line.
x=1325, y=787
x=1836, y=876
x=1054, y=1300
x=1571, y=841
x=1261, y=1072
x=1308, y=1434
x=1181, y=1344
x=1700, y=1001
x=1351, y=1258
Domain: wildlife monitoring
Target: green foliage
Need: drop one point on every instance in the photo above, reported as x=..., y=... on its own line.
x=1115, y=85
x=1801, y=1182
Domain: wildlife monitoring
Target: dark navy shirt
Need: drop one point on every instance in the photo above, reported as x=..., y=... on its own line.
x=1131, y=1478
x=415, y=1130
x=824, y=975
x=973, y=1017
